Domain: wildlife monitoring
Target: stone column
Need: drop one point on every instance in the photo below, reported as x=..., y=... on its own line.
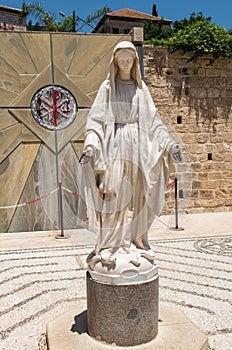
x=137, y=39
x=125, y=314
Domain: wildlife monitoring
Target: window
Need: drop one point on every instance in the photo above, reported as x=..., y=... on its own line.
x=115, y=30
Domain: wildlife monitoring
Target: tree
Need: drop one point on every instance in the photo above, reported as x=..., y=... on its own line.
x=154, y=10
x=203, y=39
x=98, y=14
x=195, y=35
x=194, y=18
x=155, y=30
x=45, y=20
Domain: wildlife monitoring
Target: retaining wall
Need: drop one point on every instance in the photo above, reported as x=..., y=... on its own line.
x=196, y=99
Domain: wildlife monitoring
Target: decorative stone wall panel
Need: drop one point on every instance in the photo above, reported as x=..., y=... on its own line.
x=29, y=62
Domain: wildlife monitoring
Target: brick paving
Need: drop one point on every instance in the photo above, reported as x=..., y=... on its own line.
x=39, y=284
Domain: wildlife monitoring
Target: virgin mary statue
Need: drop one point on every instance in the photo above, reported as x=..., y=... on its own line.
x=125, y=160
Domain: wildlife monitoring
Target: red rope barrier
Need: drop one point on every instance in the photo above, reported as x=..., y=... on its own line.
x=29, y=202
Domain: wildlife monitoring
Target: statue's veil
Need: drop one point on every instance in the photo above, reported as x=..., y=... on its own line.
x=135, y=73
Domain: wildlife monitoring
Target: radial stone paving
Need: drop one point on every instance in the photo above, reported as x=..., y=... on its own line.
x=37, y=285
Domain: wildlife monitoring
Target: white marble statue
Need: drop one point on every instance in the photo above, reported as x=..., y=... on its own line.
x=125, y=164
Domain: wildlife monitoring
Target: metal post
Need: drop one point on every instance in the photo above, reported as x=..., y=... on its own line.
x=59, y=194
x=176, y=203
x=177, y=228
x=59, y=198
x=74, y=22
x=61, y=210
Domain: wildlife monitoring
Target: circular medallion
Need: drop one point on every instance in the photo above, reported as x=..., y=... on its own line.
x=220, y=246
x=54, y=107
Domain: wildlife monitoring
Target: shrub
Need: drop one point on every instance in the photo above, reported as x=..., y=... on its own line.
x=195, y=35
x=202, y=39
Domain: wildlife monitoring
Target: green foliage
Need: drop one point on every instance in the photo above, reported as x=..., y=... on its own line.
x=98, y=14
x=203, y=39
x=67, y=25
x=195, y=35
x=156, y=31
x=194, y=17
x=45, y=20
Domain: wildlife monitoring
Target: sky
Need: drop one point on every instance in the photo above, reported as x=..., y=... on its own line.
x=219, y=10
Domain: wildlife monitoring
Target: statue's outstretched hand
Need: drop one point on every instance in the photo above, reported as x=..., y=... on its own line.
x=86, y=155
x=176, y=152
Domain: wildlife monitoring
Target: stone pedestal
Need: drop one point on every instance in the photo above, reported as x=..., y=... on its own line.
x=125, y=315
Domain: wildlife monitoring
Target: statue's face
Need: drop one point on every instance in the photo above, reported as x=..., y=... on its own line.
x=125, y=61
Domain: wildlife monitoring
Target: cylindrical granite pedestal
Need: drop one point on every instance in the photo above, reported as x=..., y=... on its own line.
x=126, y=315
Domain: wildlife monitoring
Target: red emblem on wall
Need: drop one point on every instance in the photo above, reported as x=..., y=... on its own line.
x=54, y=107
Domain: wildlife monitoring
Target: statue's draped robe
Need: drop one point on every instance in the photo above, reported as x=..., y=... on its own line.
x=124, y=183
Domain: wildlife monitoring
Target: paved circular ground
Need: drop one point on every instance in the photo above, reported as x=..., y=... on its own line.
x=37, y=285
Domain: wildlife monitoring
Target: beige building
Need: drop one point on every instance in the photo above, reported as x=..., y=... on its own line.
x=10, y=19
x=123, y=21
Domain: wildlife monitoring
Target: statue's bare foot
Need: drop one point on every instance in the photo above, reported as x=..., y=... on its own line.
x=138, y=243
x=126, y=247
x=107, y=257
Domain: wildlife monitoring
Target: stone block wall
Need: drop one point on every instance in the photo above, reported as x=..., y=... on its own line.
x=195, y=98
